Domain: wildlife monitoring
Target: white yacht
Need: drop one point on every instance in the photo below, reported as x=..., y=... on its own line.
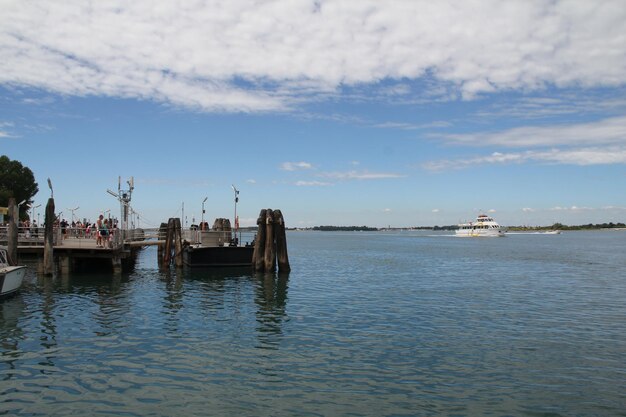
x=483, y=226
x=11, y=277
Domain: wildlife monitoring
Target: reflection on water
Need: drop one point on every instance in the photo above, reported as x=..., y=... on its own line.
x=365, y=324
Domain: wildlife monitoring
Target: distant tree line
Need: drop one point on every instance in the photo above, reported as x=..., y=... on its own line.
x=345, y=228
x=560, y=226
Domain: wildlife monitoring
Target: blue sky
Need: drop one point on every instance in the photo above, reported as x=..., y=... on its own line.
x=400, y=113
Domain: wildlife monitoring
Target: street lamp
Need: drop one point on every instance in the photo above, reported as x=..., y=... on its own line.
x=236, y=201
x=73, y=210
x=33, y=209
x=124, y=197
x=50, y=186
x=202, y=222
x=18, y=209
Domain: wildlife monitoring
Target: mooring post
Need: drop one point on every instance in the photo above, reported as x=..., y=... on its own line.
x=280, y=238
x=12, y=234
x=258, y=255
x=270, y=249
x=48, y=249
x=169, y=241
x=160, y=248
x=178, y=244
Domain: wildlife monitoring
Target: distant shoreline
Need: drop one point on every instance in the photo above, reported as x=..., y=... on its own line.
x=556, y=226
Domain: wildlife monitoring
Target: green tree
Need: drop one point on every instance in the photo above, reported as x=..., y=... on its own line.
x=16, y=181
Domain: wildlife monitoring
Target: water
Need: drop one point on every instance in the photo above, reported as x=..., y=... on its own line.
x=366, y=324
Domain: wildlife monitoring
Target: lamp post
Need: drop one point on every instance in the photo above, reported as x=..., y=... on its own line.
x=124, y=197
x=236, y=201
x=202, y=222
x=33, y=211
x=18, y=209
x=72, y=210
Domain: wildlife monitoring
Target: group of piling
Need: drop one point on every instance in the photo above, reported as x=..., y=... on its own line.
x=172, y=249
x=270, y=247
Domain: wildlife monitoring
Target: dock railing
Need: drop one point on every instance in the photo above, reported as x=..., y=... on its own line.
x=86, y=238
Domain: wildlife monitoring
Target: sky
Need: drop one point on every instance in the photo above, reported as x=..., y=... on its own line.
x=338, y=112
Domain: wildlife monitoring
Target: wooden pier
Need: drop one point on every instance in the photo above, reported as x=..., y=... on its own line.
x=76, y=249
x=81, y=253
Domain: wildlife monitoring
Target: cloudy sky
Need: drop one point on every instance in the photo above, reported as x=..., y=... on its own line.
x=343, y=112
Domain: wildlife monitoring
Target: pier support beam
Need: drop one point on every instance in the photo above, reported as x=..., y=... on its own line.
x=65, y=264
x=116, y=262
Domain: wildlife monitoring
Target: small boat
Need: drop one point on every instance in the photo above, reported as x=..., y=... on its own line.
x=11, y=277
x=484, y=226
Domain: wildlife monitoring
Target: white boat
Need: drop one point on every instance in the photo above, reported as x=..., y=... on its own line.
x=11, y=277
x=484, y=226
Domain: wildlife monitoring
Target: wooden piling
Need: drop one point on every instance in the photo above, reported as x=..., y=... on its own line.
x=258, y=256
x=12, y=233
x=167, y=251
x=178, y=244
x=270, y=249
x=161, y=248
x=280, y=237
x=173, y=247
x=48, y=237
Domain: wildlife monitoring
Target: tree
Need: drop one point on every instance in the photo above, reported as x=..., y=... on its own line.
x=16, y=181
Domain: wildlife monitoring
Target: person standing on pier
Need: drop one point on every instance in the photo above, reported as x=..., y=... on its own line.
x=105, y=233
x=99, y=225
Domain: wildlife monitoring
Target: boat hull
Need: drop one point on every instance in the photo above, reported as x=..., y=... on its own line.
x=480, y=233
x=11, y=278
x=218, y=256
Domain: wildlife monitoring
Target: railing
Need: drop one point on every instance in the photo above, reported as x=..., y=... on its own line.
x=86, y=238
x=28, y=236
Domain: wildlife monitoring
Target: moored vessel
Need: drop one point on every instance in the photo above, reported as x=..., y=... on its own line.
x=484, y=226
x=11, y=277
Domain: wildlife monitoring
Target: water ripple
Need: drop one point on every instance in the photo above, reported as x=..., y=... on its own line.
x=366, y=324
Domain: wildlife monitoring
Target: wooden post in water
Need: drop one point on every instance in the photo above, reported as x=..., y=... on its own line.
x=173, y=243
x=258, y=256
x=13, y=232
x=167, y=253
x=160, y=248
x=280, y=237
x=270, y=249
x=178, y=244
x=48, y=239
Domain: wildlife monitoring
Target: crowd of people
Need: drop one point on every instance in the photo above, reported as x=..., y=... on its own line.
x=102, y=230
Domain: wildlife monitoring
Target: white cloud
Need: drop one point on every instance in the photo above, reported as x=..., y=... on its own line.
x=295, y=166
x=435, y=210
x=528, y=210
x=312, y=183
x=3, y=132
x=251, y=181
x=580, y=156
x=387, y=210
x=364, y=175
x=572, y=208
x=241, y=56
x=607, y=131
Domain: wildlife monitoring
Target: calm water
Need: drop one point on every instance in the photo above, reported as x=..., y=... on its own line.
x=366, y=324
